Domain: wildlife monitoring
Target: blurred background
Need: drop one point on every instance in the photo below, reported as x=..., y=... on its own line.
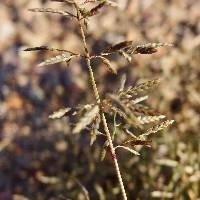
x=40, y=159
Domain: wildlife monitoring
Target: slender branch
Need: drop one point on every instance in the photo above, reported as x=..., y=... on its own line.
x=98, y=100
x=96, y=93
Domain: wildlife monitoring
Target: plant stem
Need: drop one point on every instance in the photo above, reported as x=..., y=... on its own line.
x=114, y=157
x=98, y=100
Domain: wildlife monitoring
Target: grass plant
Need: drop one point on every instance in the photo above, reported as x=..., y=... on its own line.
x=133, y=119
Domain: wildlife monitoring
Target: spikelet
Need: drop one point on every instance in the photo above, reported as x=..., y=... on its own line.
x=57, y=59
x=167, y=162
x=82, y=109
x=67, y=1
x=46, y=48
x=127, y=48
x=149, y=119
x=60, y=113
x=132, y=104
x=129, y=133
x=86, y=119
x=94, y=131
x=119, y=112
x=126, y=56
x=70, y=1
x=94, y=10
x=109, y=108
x=40, y=48
x=108, y=2
x=145, y=86
x=148, y=48
x=93, y=137
x=144, y=110
x=122, y=110
x=139, y=99
x=104, y=150
x=130, y=118
x=137, y=142
x=111, y=3
x=90, y=1
x=50, y=10
x=117, y=47
x=122, y=83
x=139, y=88
x=162, y=195
x=108, y=64
x=106, y=105
x=158, y=127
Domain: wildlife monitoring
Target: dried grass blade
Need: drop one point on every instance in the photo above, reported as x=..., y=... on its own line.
x=50, y=10
x=128, y=149
x=59, y=114
x=86, y=119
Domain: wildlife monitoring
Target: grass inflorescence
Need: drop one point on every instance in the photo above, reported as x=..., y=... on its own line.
x=125, y=105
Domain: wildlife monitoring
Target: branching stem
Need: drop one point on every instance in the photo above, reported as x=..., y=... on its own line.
x=98, y=101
